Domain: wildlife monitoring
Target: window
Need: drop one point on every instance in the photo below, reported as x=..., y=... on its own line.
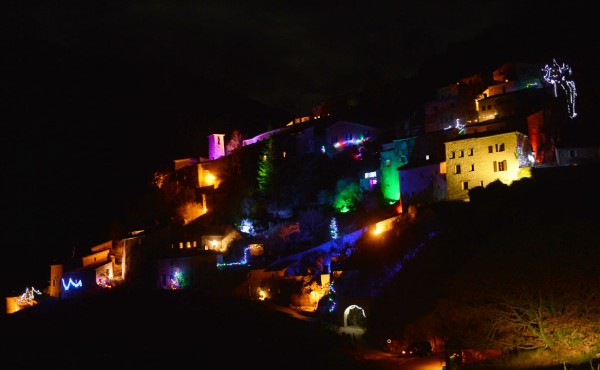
x=465, y=185
x=490, y=149
x=387, y=163
x=500, y=147
x=461, y=154
x=457, y=169
x=452, y=155
x=500, y=166
x=472, y=167
x=470, y=152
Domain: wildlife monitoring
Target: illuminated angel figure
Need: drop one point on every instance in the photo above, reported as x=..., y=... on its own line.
x=558, y=75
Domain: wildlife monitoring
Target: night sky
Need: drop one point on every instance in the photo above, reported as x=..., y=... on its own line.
x=98, y=95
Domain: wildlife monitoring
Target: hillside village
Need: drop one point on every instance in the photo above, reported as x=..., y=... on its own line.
x=288, y=214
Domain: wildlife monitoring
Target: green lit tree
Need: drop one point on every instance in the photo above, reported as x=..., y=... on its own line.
x=266, y=168
x=348, y=195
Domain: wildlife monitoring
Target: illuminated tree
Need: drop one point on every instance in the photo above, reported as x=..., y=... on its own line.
x=348, y=195
x=527, y=290
x=236, y=141
x=190, y=211
x=266, y=167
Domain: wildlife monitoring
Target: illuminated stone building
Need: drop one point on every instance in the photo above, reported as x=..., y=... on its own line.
x=479, y=159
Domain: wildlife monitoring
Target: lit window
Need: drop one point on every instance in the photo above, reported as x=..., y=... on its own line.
x=502, y=166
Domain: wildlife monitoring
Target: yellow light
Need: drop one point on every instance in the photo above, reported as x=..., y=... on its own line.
x=210, y=178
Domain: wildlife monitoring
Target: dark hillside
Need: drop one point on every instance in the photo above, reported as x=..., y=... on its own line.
x=166, y=329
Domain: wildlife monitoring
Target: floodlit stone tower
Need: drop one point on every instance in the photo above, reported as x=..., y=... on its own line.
x=56, y=272
x=216, y=146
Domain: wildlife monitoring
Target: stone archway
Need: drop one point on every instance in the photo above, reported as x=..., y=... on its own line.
x=355, y=316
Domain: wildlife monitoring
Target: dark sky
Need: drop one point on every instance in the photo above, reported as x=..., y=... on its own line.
x=99, y=94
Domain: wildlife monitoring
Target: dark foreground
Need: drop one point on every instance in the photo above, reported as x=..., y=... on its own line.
x=166, y=329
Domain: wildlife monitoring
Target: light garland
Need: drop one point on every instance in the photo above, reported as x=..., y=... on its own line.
x=331, y=297
x=243, y=261
x=71, y=283
x=559, y=75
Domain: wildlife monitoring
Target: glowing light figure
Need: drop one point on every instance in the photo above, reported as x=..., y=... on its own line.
x=459, y=126
x=559, y=75
x=28, y=296
x=177, y=280
x=71, y=283
x=104, y=282
x=247, y=227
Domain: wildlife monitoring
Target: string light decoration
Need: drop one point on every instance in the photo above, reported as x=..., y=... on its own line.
x=331, y=297
x=560, y=75
x=343, y=143
x=71, y=283
x=243, y=261
x=333, y=228
x=28, y=297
